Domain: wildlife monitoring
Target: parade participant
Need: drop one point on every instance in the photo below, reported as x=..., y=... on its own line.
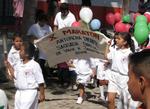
x=118, y=57
x=13, y=55
x=64, y=18
x=139, y=78
x=28, y=79
x=3, y=100
x=84, y=74
x=39, y=30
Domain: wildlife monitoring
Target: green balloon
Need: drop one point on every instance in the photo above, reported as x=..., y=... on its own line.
x=149, y=26
x=141, y=34
x=126, y=19
x=140, y=25
x=141, y=18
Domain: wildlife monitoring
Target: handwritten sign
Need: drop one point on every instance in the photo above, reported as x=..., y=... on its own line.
x=70, y=43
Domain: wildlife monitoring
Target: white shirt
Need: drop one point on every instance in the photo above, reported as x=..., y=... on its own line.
x=66, y=22
x=83, y=66
x=14, y=57
x=28, y=75
x=119, y=59
x=38, y=31
x=3, y=99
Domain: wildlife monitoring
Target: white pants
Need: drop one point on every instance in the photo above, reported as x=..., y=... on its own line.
x=26, y=99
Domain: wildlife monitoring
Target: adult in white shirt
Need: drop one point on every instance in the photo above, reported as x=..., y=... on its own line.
x=64, y=18
x=39, y=30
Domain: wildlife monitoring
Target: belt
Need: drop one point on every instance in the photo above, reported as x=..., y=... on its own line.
x=27, y=89
x=119, y=72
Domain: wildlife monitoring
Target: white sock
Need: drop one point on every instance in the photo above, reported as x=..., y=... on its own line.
x=101, y=92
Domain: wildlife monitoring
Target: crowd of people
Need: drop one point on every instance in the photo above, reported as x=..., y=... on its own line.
x=122, y=74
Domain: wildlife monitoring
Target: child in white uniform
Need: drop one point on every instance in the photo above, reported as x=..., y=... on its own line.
x=118, y=58
x=3, y=100
x=28, y=78
x=84, y=73
x=13, y=55
x=103, y=77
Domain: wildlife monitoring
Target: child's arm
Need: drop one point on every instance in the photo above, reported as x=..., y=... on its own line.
x=106, y=51
x=42, y=92
x=10, y=69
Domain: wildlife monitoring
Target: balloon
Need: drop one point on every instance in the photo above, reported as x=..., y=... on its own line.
x=117, y=16
x=76, y=24
x=147, y=15
x=141, y=34
x=135, y=15
x=141, y=18
x=95, y=24
x=120, y=27
x=127, y=27
x=140, y=25
x=110, y=18
x=149, y=26
x=126, y=19
x=86, y=14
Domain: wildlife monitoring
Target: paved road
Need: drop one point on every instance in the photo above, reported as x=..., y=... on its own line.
x=59, y=98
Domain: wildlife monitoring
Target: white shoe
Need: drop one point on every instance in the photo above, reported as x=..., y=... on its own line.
x=74, y=87
x=79, y=100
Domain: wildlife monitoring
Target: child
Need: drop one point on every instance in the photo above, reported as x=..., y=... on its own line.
x=3, y=100
x=13, y=55
x=102, y=76
x=118, y=57
x=28, y=79
x=139, y=77
x=84, y=73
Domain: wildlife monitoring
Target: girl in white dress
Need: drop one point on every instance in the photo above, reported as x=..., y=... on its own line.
x=118, y=57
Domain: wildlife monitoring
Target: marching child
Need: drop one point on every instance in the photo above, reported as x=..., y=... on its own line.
x=84, y=74
x=139, y=77
x=13, y=55
x=118, y=57
x=28, y=79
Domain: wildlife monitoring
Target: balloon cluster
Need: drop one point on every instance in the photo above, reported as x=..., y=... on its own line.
x=121, y=24
x=86, y=15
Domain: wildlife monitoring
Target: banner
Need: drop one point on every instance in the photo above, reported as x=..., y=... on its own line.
x=71, y=43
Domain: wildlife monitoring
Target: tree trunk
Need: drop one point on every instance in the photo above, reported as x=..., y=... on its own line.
x=30, y=7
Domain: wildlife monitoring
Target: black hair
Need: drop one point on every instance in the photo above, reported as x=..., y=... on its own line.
x=43, y=17
x=15, y=35
x=64, y=7
x=86, y=3
x=29, y=49
x=127, y=37
x=38, y=14
x=140, y=63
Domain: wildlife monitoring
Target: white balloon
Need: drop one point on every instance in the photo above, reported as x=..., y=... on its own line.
x=86, y=14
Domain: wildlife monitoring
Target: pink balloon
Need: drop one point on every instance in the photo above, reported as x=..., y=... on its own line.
x=127, y=27
x=147, y=15
x=76, y=24
x=117, y=16
x=120, y=27
x=110, y=18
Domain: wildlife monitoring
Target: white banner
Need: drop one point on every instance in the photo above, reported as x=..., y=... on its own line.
x=70, y=43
